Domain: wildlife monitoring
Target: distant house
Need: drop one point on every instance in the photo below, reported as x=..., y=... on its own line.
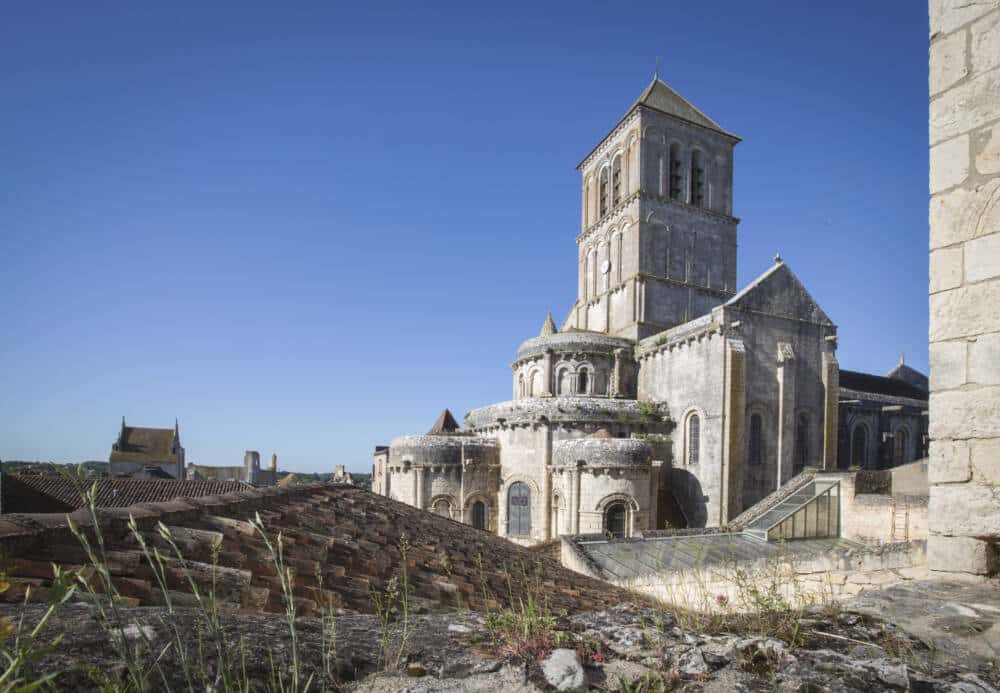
x=147, y=453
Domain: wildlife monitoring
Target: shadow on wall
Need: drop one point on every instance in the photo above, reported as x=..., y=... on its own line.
x=682, y=501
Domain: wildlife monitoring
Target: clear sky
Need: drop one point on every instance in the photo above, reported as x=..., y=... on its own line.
x=306, y=230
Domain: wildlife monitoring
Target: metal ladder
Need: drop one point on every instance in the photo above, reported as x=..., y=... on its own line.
x=900, y=521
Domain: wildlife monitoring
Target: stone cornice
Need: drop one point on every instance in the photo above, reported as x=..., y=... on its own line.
x=668, y=342
x=615, y=211
x=645, y=194
x=612, y=215
x=601, y=148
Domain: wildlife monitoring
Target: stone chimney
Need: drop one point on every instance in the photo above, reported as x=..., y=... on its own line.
x=274, y=462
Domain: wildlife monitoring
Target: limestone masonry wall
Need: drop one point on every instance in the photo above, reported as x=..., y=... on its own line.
x=834, y=574
x=964, y=286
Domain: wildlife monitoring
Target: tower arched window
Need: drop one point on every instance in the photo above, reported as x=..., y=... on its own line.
x=697, y=179
x=603, y=193
x=442, y=508
x=582, y=381
x=756, y=439
x=900, y=441
x=519, y=509
x=859, y=446
x=675, y=172
x=801, y=443
x=616, y=520
x=616, y=181
x=479, y=515
x=693, y=439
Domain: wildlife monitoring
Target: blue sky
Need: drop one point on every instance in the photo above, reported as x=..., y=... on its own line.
x=306, y=230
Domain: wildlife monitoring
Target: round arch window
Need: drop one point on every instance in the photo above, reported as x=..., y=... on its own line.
x=442, y=508
x=519, y=509
x=615, y=520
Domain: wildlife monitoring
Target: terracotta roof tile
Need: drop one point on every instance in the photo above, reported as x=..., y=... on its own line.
x=140, y=444
x=351, y=539
x=20, y=491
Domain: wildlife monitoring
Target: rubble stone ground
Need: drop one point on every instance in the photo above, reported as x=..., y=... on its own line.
x=924, y=636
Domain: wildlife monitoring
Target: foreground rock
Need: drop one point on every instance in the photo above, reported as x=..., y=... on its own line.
x=622, y=648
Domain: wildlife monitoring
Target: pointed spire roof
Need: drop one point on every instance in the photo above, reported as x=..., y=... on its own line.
x=445, y=424
x=660, y=97
x=548, y=327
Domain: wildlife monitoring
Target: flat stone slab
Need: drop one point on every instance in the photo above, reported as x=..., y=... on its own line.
x=958, y=620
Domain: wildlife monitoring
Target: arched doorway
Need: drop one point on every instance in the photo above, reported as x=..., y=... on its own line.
x=899, y=449
x=615, y=520
x=859, y=446
x=479, y=515
x=519, y=509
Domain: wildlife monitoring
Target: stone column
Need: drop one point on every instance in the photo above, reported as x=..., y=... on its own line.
x=786, y=413
x=547, y=483
x=615, y=387
x=831, y=404
x=570, y=501
x=461, y=488
x=420, y=473
x=547, y=389
x=502, y=510
x=733, y=417
x=964, y=427
x=656, y=469
x=575, y=481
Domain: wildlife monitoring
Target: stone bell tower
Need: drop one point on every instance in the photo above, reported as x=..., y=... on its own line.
x=657, y=245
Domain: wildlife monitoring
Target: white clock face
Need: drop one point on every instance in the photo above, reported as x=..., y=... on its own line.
x=605, y=267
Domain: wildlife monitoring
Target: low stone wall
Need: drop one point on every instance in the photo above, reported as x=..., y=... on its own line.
x=870, y=519
x=800, y=580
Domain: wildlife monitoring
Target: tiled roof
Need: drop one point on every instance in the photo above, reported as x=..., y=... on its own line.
x=908, y=375
x=662, y=98
x=877, y=384
x=111, y=492
x=139, y=444
x=445, y=424
x=350, y=538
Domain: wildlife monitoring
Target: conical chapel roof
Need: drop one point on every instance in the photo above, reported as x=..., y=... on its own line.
x=548, y=327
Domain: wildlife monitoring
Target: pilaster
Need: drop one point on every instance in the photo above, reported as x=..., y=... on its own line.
x=786, y=413
x=733, y=449
x=831, y=404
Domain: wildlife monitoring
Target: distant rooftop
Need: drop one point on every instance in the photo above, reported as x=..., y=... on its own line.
x=26, y=493
x=881, y=385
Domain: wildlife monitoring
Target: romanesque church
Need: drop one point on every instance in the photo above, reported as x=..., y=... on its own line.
x=668, y=397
